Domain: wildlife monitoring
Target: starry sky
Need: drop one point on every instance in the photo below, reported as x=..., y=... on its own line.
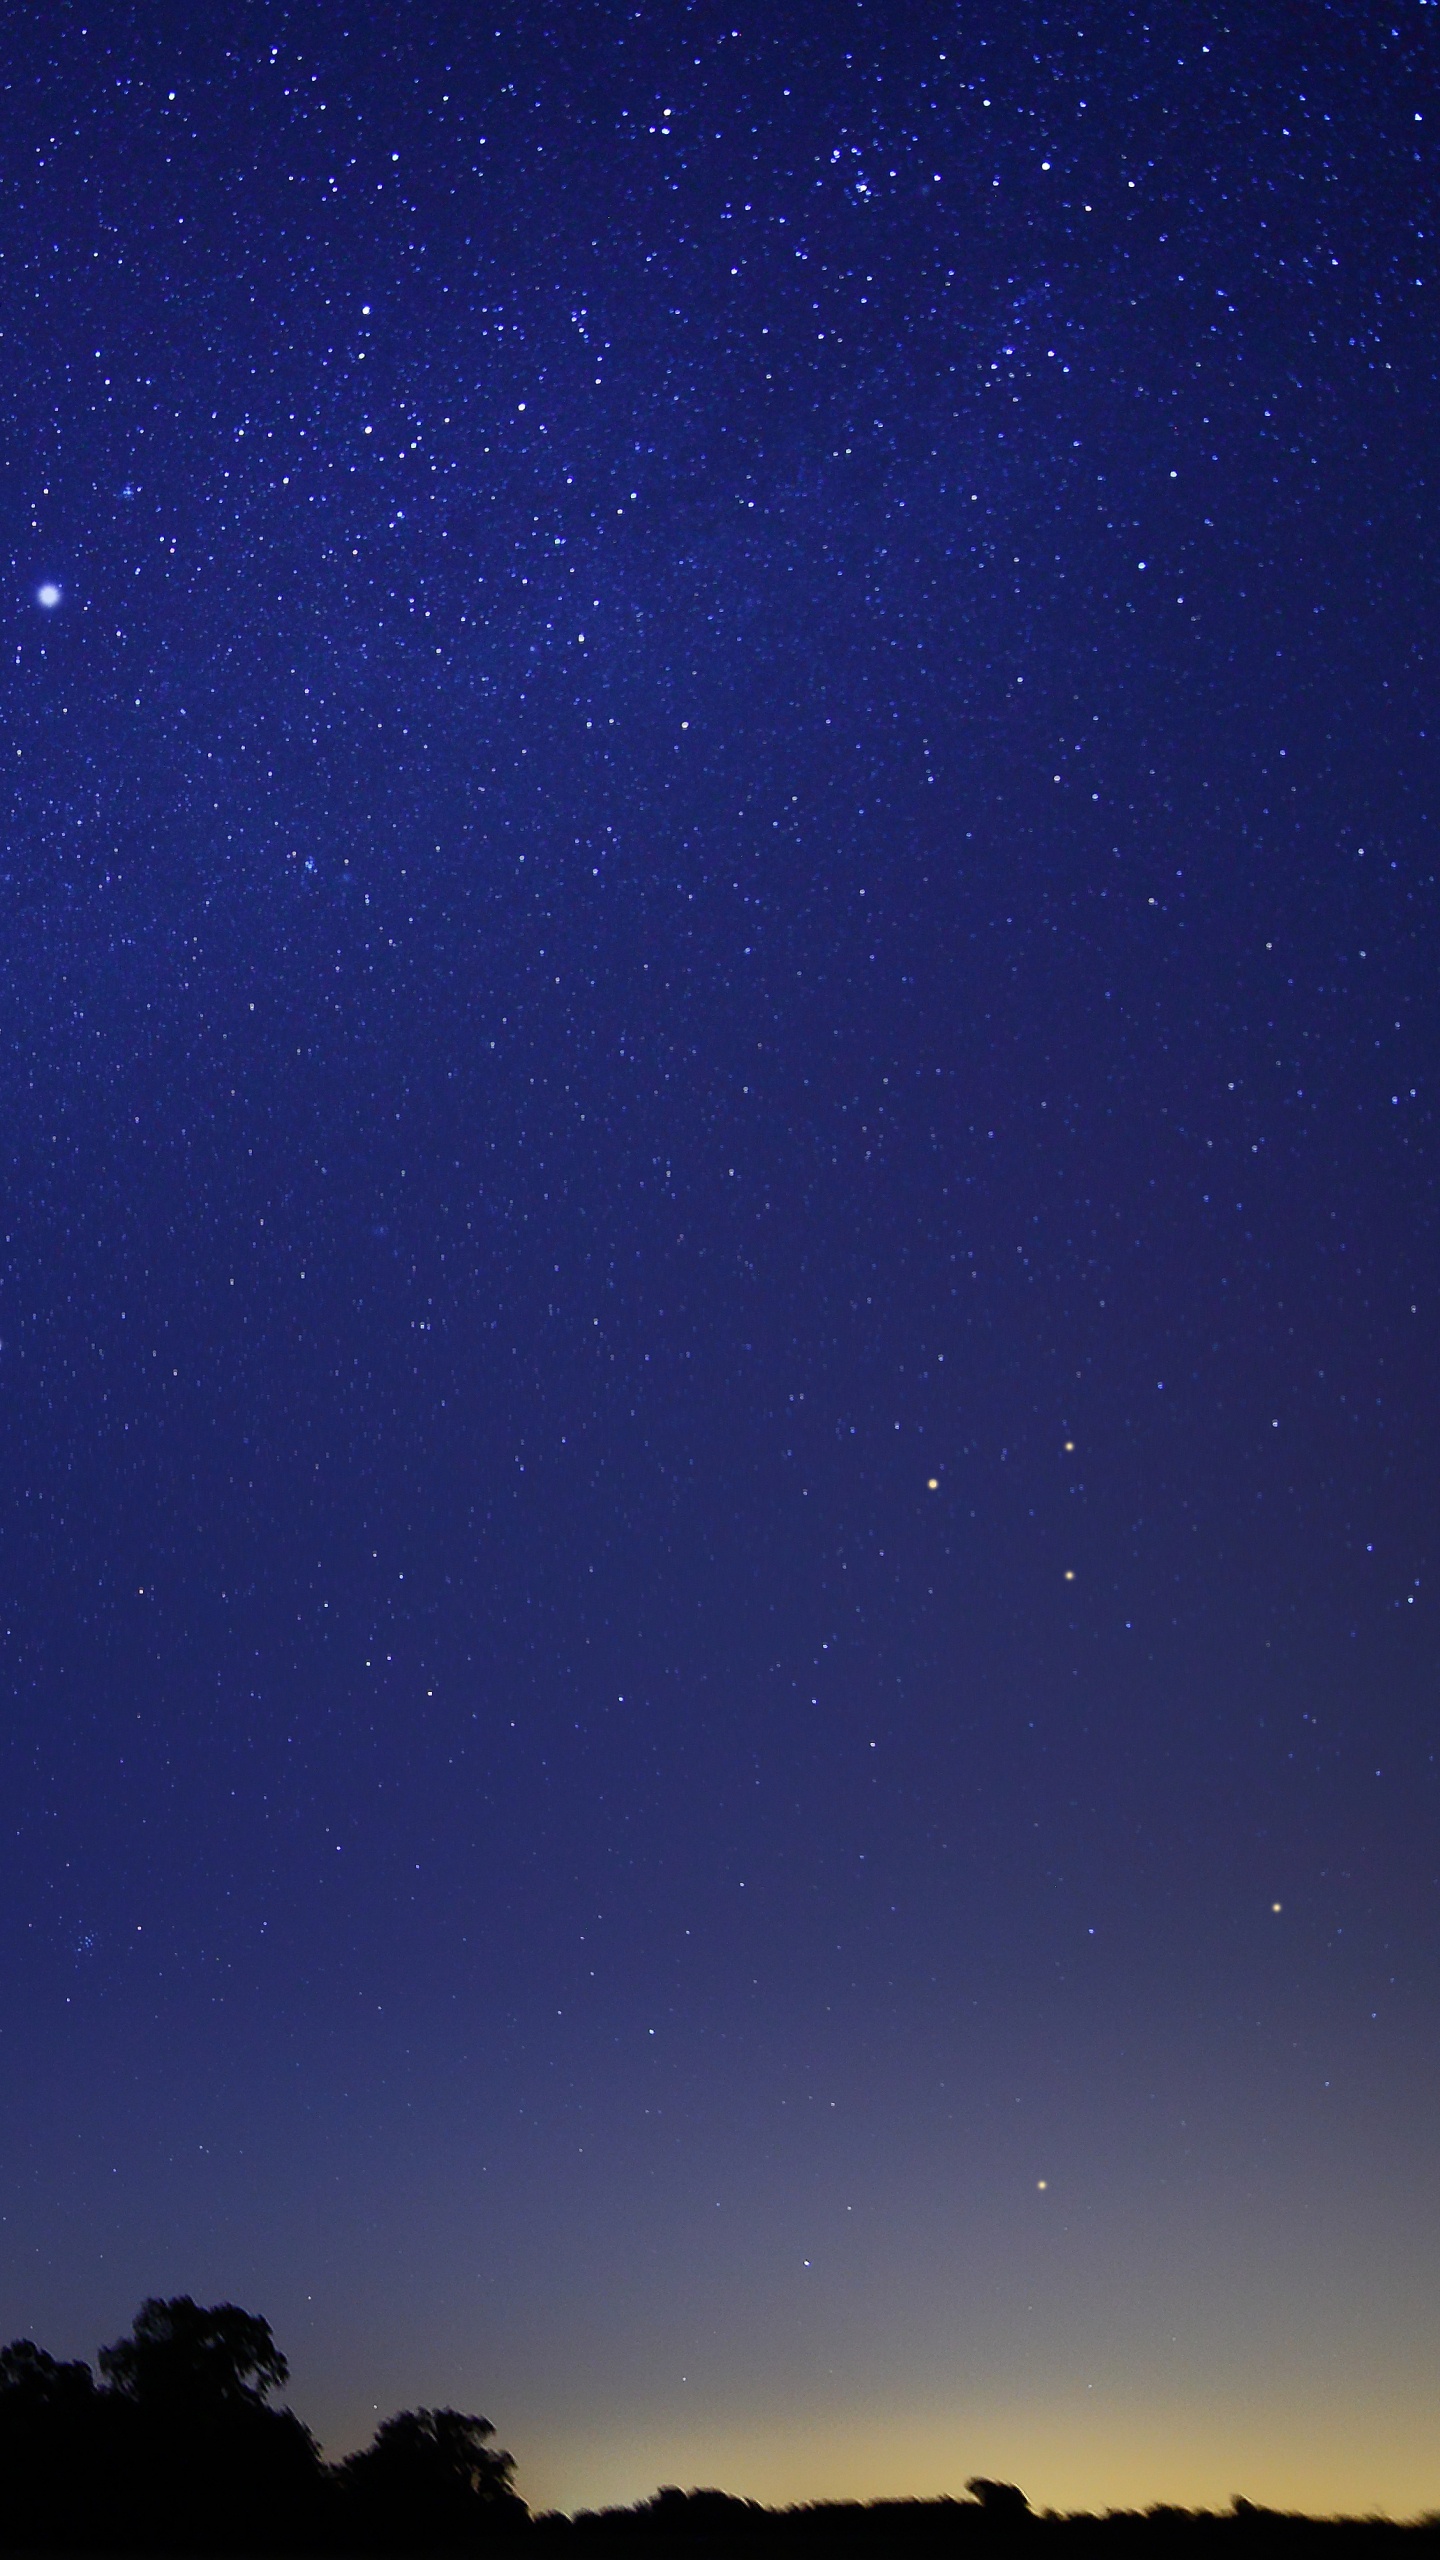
x=718, y=1227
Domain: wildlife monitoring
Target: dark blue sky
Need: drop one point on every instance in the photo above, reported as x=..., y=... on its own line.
x=717, y=1405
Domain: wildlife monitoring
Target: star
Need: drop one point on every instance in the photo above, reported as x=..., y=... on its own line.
x=48, y=595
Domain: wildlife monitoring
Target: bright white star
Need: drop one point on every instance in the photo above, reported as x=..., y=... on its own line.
x=47, y=595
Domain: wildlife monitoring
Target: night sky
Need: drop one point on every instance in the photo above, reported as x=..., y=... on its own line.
x=718, y=1242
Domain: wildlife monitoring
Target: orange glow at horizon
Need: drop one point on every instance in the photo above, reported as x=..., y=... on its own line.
x=1351, y=2458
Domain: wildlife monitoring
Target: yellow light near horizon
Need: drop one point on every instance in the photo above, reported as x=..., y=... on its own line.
x=1122, y=2451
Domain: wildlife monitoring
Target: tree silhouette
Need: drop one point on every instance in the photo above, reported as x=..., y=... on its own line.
x=431, y=2480
x=182, y=2359
x=53, y=2447
x=200, y=2460
x=33, y=2384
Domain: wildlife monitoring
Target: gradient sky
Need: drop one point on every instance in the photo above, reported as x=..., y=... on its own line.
x=718, y=1265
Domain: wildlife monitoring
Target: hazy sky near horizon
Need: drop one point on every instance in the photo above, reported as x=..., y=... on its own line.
x=718, y=1265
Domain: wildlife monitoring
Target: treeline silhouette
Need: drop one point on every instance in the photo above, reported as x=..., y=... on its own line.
x=178, y=2448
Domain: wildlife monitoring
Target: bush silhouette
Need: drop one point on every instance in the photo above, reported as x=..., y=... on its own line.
x=1002, y=2501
